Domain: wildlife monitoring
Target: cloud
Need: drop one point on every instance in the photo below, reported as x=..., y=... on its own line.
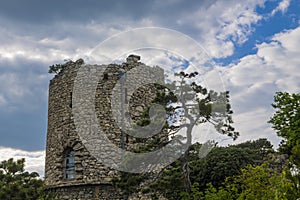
x=24, y=84
x=254, y=80
x=23, y=103
x=66, y=30
x=282, y=53
x=3, y=101
x=36, y=34
x=223, y=24
x=282, y=7
x=252, y=125
x=34, y=160
x=36, y=12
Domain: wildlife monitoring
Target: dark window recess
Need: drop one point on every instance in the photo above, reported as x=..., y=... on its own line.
x=105, y=76
x=127, y=139
x=125, y=96
x=70, y=100
x=69, y=164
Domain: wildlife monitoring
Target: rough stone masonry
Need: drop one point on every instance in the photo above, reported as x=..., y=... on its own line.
x=71, y=172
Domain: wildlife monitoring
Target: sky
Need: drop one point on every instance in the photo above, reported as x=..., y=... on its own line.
x=252, y=44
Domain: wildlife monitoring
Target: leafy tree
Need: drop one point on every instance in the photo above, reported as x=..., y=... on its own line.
x=211, y=193
x=220, y=163
x=260, y=182
x=209, y=171
x=17, y=184
x=286, y=121
x=255, y=183
x=189, y=104
x=262, y=145
x=219, y=174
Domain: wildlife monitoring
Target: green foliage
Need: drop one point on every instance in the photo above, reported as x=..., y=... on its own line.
x=17, y=184
x=260, y=182
x=261, y=144
x=196, y=105
x=208, y=172
x=56, y=68
x=239, y=171
x=129, y=183
x=165, y=184
x=11, y=167
x=226, y=173
x=188, y=104
x=211, y=193
x=286, y=121
x=256, y=183
x=220, y=163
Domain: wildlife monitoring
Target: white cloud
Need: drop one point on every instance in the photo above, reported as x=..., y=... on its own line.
x=283, y=54
x=282, y=7
x=223, y=24
x=70, y=41
x=250, y=71
x=34, y=160
x=252, y=125
x=219, y=25
x=254, y=80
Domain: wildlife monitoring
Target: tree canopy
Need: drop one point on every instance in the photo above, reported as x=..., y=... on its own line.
x=18, y=184
x=254, y=182
x=207, y=174
x=286, y=121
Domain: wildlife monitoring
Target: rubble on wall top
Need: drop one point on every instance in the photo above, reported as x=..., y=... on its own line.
x=133, y=58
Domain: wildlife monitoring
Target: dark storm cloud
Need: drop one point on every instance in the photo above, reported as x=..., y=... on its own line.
x=71, y=19
x=36, y=11
x=24, y=130
x=23, y=113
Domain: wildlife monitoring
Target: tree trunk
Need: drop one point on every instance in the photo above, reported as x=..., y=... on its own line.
x=185, y=168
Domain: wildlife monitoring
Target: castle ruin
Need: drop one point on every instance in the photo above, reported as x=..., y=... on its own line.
x=71, y=171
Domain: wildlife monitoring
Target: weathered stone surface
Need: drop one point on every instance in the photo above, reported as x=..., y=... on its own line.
x=92, y=178
x=87, y=192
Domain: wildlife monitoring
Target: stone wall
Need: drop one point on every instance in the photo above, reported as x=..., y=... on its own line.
x=92, y=179
x=87, y=192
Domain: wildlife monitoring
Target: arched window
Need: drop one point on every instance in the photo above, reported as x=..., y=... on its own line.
x=69, y=164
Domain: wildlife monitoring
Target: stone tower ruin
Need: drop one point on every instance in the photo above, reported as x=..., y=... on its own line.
x=71, y=171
